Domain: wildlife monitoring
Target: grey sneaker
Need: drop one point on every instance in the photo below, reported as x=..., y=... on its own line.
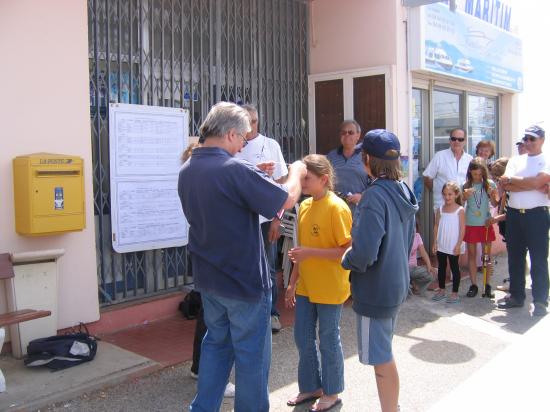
x=229, y=390
x=539, y=309
x=275, y=323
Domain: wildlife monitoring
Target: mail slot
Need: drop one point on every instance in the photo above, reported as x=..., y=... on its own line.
x=49, y=194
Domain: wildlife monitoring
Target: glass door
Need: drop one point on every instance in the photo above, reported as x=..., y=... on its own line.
x=421, y=157
x=482, y=121
x=448, y=113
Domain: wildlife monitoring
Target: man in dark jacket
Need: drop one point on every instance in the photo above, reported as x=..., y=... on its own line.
x=383, y=232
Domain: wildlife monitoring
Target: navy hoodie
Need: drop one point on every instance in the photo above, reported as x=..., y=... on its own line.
x=383, y=232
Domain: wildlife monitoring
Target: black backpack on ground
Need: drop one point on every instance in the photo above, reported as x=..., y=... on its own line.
x=62, y=351
x=191, y=305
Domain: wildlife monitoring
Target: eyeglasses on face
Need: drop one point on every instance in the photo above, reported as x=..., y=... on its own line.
x=530, y=139
x=350, y=132
x=242, y=136
x=455, y=139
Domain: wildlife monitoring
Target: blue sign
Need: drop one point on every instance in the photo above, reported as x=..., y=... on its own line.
x=459, y=45
x=59, y=199
x=495, y=12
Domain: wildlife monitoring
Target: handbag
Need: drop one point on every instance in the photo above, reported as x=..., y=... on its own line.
x=62, y=351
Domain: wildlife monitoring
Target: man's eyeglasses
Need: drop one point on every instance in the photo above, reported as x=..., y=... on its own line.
x=350, y=132
x=455, y=139
x=245, y=142
x=530, y=139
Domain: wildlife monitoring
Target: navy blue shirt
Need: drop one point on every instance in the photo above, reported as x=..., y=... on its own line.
x=222, y=198
x=351, y=176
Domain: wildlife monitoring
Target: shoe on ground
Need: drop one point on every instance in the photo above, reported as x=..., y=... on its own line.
x=229, y=390
x=439, y=296
x=503, y=288
x=194, y=375
x=472, y=291
x=488, y=292
x=452, y=299
x=509, y=303
x=540, y=309
x=275, y=323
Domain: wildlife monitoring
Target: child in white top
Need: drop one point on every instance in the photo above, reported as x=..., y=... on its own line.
x=449, y=234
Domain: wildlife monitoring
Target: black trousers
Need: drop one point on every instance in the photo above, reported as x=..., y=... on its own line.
x=442, y=270
x=528, y=230
x=200, y=331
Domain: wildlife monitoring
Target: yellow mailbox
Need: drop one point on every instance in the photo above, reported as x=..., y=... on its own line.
x=49, y=194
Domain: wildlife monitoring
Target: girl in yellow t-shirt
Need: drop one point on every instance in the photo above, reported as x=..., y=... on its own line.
x=319, y=286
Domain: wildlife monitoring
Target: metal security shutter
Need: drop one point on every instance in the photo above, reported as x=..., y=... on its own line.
x=190, y=54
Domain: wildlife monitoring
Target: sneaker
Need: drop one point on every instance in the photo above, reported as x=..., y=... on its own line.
x=452, y=299
x=439, y=296
x=472, y=291
x=275, y=323
x=229, y=390
x=194, y=375
x=509, y=303
x=488, y=292
x=539, y=309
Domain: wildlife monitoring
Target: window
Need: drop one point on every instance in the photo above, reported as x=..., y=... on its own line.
x=482, y=120
x=447, y=110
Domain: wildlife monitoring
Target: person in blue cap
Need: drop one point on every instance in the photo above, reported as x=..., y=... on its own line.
x=528, y=221
x=382, y=232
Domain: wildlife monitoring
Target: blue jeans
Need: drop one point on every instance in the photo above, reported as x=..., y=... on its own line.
x=271, y=255
x=238, y=332
x=312, y=374
x=528, y=231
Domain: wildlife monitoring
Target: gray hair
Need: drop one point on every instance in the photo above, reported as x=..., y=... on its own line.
x=250, y=108
x=223, y=117
x=353, y=122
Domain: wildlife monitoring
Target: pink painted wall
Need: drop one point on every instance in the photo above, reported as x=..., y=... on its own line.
x=352, y=34
x=361, y=34
x=44, y=107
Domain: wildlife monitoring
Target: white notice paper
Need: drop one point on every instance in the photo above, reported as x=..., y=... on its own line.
x=145, y=147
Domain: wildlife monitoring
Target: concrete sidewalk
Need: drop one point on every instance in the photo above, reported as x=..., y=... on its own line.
x=29, y=389
x=450, y=357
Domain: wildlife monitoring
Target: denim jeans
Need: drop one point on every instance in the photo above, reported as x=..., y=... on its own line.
x=528, y=231
x=329, y=372
x=238, y=332
x=271, y=255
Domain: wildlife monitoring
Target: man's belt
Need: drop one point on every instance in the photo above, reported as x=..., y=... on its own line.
x=524, y=211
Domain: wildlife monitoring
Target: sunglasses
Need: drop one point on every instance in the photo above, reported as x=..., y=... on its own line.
x=459, y=139
x=350, y=132
x=530, y=139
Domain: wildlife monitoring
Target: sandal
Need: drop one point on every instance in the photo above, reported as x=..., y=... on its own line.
x=472, y=291
x=298, y=399
x=315, y=406
x=488, y=292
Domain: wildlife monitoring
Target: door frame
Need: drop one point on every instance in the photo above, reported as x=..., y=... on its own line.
x=347, y=77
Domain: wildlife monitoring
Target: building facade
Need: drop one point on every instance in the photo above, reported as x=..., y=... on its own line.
x=307, y=65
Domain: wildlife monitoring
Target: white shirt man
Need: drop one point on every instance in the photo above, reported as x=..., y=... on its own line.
x=449, y=165
x=527, y=222
x=262, y=149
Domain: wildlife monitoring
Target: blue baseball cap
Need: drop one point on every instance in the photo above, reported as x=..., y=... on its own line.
x=382, y=144
x=535, y=131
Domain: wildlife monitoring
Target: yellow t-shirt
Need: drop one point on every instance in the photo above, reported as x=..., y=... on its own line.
x=324, y=223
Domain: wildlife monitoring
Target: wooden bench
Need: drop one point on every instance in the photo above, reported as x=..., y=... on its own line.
x=12, y=318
